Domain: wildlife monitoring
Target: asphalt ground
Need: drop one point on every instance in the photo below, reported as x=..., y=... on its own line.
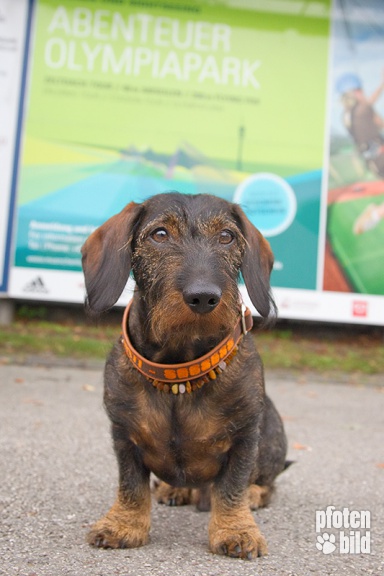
x=58, y=475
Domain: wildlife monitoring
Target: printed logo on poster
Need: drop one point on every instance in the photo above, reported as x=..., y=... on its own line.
x=300, y=303
x=36, y=286
x=346, y=531
x=360, y=308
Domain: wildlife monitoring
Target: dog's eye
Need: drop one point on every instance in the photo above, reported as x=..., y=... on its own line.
x=160, y=235
x=226, y=237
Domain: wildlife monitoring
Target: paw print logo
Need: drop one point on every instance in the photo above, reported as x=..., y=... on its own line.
x=326, y=543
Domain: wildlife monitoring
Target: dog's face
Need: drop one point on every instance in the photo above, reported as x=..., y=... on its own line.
x=186, y=254
x=186, y=260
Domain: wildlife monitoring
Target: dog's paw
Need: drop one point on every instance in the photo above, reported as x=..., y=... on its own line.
x=246, y=544
x=106, y=534
x=121, y=528
x=259, y=496
x=166, y=494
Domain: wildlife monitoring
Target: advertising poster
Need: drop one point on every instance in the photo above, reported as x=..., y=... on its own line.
x=354, y=261
x=13, y=30
x=128, y=99
x=278, y=106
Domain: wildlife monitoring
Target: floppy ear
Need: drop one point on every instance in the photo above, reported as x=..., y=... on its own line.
x=107, y=259
x=257, y=266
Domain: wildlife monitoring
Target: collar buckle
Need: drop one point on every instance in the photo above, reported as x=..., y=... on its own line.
x=243, y=323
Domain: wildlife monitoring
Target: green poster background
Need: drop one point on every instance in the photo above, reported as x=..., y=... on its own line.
x=128, y=99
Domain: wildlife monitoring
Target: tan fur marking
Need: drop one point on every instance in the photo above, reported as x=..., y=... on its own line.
x=233, y=531
x=166, y=494
x=259, y=496
x=126, y=525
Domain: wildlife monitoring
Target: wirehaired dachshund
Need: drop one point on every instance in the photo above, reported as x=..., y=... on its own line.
x=184, y=384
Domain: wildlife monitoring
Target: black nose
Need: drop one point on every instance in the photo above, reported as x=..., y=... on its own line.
x=202, y=298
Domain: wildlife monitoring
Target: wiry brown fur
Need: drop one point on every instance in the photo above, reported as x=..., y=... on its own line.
x=222, y=445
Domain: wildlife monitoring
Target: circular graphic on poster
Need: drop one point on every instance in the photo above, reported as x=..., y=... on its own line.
x=268, y=201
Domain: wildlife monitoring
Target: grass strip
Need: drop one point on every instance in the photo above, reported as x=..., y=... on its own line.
x=279, y=348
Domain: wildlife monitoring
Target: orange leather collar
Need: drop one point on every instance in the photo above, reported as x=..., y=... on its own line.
x=187, y=372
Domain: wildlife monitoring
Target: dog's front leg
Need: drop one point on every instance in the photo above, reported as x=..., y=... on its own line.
x=127, y=523
x=232, y=529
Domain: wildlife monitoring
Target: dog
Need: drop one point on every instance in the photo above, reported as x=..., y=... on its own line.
x=184, y=384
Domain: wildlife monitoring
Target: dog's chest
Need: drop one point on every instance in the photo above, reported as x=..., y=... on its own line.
x=182, y=446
